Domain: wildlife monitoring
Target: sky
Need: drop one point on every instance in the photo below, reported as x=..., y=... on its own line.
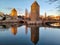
x=45, y=6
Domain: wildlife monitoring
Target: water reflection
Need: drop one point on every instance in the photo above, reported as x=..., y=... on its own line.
x=29, y=35
x=26, y=29
x=4, y=26
x=55, y=24
x=14, y=29
x=35, y=34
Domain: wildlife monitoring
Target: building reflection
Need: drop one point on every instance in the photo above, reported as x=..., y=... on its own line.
x=35, y=34
x=26, y=29
x=14, y=30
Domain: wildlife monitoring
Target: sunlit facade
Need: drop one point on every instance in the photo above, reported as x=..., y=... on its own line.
x=14, y=13
x=34, y=11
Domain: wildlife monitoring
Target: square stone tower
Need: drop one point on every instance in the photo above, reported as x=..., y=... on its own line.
x=34, y=11
x=14, y=13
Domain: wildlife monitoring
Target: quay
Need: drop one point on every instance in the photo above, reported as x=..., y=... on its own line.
x=34, y=22
x=30, y=22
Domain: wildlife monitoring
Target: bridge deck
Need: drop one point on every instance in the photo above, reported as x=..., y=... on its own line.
x=34, y=22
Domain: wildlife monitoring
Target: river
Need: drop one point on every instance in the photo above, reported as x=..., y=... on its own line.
x=29, y=35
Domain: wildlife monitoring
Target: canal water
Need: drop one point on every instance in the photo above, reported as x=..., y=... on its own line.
x=29, y=35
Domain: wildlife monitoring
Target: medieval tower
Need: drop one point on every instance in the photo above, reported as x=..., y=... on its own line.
x=34, y=11
x=14, y=13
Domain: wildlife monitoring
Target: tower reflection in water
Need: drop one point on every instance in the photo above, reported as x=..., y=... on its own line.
x=35, y=34
x=26, y=29
x=14, y=29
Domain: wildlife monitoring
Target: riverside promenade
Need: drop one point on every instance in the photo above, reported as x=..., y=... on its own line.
x=30, y=22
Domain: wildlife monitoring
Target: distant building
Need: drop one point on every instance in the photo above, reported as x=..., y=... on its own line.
x=45, y=15
x=1, y=14
x=26, y=13
x=34, y=16
x=8, y=17
x=14, y=13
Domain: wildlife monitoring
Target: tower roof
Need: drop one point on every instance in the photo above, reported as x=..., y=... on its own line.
x=35, y=3
x=13, y=9
x=35, y=42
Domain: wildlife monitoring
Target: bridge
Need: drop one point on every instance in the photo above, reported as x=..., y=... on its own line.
x=48, y=22
x=42, y=22
x=13, y=21
x=51, y=21
x=30, y=22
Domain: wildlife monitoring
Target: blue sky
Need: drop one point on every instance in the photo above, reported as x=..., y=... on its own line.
x=20, y=5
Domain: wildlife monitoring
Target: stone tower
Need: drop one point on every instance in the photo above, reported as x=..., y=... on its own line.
x=14, y=13
x=34, y=11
